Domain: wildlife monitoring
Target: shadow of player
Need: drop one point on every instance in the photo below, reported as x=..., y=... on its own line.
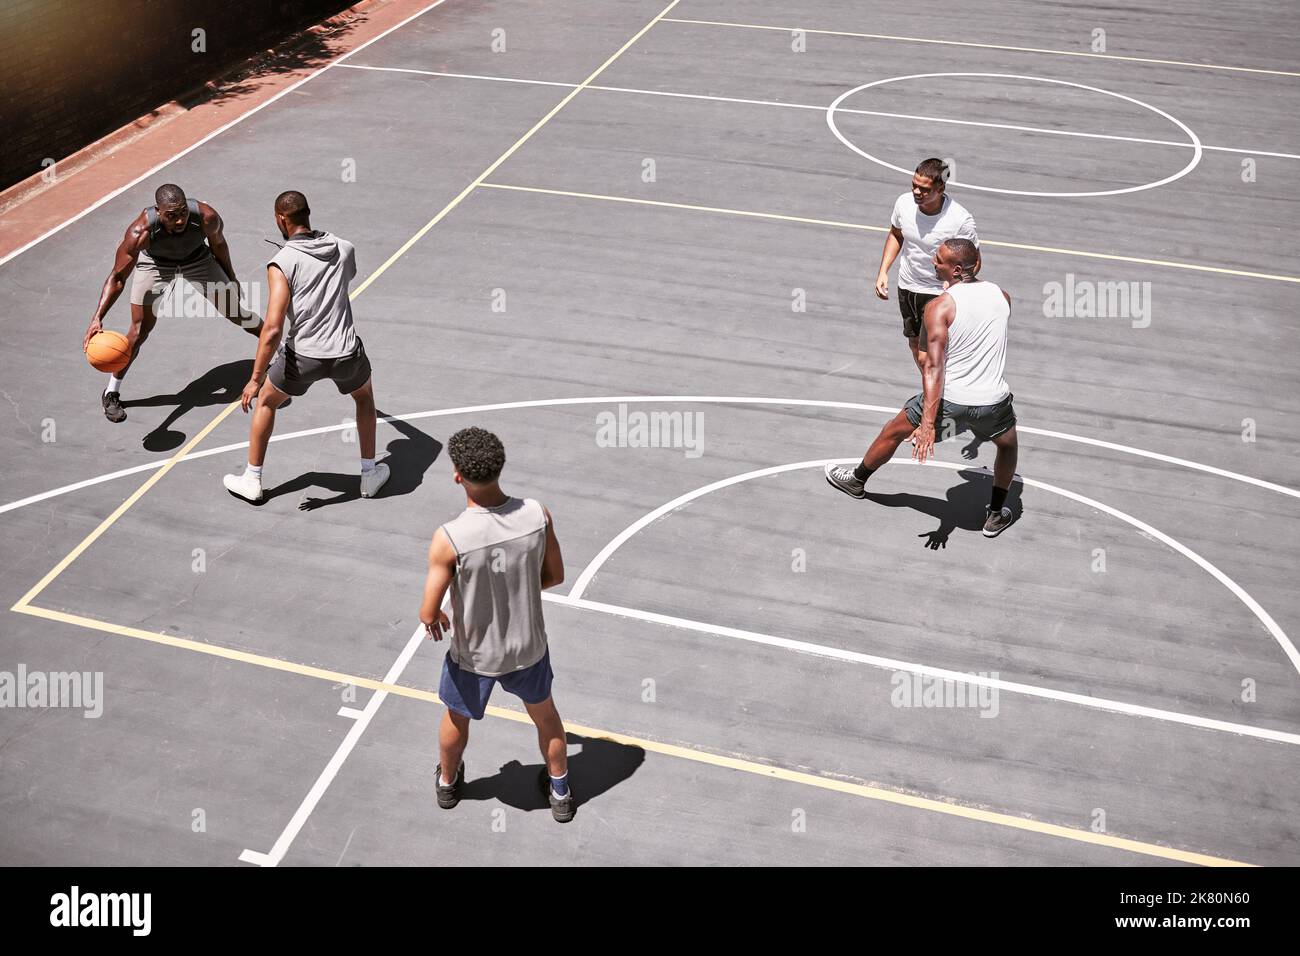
x=600, y=766
x=217, y=386
x=408, y=458
x=963, y=508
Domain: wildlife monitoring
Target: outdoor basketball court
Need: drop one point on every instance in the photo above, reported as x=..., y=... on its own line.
x=587, y=225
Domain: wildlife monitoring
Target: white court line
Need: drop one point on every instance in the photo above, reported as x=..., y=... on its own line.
x=351, y=713
x=986, y=46
x=217, y=132
x=631, y=399
x=1194, y=140
x=589, y=572
x=332, y=768
x=886, y=663
x=823, y=109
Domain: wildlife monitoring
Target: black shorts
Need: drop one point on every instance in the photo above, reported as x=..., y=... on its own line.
x=293, y=374
x=985, y=422
x=912, y=305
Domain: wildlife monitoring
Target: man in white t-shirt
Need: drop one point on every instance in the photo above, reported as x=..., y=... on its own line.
x=920, y=222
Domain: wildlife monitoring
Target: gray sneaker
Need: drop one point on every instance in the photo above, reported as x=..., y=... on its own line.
x=843, y=478
x=562, y=808
x=997, y=522
x=449, y=795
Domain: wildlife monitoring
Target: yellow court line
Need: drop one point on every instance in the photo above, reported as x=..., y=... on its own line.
x=76, y=552
x=987, y=46
x=779, y=217
x=865, y=791
x=511, y=151
x=104, y=525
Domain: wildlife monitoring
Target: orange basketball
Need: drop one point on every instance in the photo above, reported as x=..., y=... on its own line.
x=109, y=351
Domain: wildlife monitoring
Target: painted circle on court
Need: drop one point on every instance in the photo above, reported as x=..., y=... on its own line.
x=1193, y=140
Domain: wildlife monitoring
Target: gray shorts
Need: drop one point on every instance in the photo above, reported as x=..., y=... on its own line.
x=293, y=374
x=986, y=422
x=153, y=278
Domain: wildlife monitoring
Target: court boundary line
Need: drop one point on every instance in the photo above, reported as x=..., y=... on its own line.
x=694, y=754
x=24, y=605
x=821, y=109
x=986, y=46
x=840, y=224
x=360, y=723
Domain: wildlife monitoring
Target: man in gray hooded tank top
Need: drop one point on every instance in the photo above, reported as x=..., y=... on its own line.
x=308, y=304
x=494, y=559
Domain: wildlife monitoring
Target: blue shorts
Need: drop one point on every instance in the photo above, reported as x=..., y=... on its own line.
x=467, y=693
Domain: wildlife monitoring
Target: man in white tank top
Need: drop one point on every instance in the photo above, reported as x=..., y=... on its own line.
x=966, y=331
x=495, y=559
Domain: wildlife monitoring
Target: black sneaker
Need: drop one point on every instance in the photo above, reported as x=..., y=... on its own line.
x=449, y=795
x=562, y=808
x=113, y=409
x=997, y=522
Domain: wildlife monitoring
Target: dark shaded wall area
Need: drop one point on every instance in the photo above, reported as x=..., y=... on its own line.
x=72, y=71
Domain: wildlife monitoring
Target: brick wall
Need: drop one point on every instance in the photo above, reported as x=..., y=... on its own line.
x=72, y=71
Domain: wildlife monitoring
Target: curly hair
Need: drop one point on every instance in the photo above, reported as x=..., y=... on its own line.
x=477, y=454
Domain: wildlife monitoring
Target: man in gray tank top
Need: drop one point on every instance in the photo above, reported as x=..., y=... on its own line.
x=309, y=305
x=966, y=328
x=494, y=559
x=177, y=240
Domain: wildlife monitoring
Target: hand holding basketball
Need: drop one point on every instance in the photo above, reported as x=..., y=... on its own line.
x=96, y=326
x=108, y=351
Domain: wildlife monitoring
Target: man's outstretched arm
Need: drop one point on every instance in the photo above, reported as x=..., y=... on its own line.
x=124, y=259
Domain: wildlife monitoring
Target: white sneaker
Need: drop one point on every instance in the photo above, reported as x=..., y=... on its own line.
x=373, y=480
x=244, y=485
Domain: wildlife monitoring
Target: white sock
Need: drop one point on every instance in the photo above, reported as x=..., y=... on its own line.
x=367, y=465
x=253, y=471
x=114, y=384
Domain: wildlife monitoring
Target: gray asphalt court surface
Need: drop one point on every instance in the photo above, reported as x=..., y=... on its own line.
x=571, y=213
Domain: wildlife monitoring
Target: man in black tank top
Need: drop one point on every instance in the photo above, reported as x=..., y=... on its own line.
x=177, y=238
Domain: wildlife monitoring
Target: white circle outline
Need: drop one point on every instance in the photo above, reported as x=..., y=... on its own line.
x=1197, y=149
